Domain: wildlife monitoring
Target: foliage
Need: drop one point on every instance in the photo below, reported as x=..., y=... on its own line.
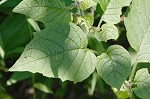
x=63, y=39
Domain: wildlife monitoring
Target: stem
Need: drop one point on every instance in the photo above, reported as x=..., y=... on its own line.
x=133, y=71
x=78, y=5
x=132, y=76
x=80, y=11
x=100, y=22
x=30, y=30
x=93, y=84
x=128, y=86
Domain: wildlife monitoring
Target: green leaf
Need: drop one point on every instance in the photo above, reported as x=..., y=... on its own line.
x=113, y=11
x=69, y=2
x=126, y=2
x=109, y=31
x=89, y=20
x=99, y=47
x=114, y=66
x=85, y=4
x=137, y=25
x=42, y=87
x=85, y=22
x=143, y=65
x=142, y=78
x=104, y=4
x=46, y=11
x=59, y=51
x=14, y=32
x=99, y=10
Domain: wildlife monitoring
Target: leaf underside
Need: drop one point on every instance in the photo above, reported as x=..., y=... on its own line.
x=113, y=10
x=138, y=29
x=142, y=79
x=109, y=31
x=59, y=51
x=114, y=66
x=46, y=11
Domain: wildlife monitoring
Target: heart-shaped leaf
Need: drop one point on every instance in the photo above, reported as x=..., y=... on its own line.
x=109, y=31
x=114, y=66
x=142, y=79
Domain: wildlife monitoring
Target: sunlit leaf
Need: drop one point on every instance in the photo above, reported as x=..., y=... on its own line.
x=59, y=51
x=47, y=11
x=138, y=26
x=142, y=79
x=109, y=31
x=114, y=66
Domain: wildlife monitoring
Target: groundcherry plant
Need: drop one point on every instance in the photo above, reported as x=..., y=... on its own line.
x=61, y=49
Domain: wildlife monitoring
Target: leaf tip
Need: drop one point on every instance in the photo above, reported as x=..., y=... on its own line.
x=11, y=69
x=14, y=10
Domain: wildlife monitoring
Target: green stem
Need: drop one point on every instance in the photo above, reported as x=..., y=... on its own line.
x=80, y=10
x=133, y=71
x=99, y=24
x=131, y=77
x=93, y=84
x=128, y=86
x=78, y=5
x=30, y=30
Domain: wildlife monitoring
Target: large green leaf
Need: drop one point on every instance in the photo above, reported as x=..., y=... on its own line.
x=109, y=31
x=58, y=51
x=114, y=66
x=142, y=79
x=47, y=11
x=14, y=32
x=113, y=10
x=138, y=29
